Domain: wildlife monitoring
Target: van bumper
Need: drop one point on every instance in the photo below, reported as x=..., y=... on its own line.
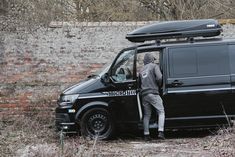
x=63, y=122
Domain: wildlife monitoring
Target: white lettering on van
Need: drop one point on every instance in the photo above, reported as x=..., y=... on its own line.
x=120, y=93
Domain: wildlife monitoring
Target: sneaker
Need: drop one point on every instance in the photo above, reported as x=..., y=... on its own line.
x=147, y=138
x=161, y=135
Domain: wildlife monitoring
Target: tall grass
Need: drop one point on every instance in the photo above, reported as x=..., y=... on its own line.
x=35, y=136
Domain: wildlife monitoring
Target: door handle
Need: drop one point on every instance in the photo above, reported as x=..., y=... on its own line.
x=176, y=83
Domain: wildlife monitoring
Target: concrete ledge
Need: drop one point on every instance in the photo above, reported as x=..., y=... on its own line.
x=58, y=24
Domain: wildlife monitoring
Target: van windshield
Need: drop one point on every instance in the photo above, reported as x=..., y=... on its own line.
x=101, y=71
x=104, y=69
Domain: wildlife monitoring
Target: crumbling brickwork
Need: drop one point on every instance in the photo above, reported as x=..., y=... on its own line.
x=35, y=68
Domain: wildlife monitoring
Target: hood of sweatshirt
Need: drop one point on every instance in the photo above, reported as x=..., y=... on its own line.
x=148, y=58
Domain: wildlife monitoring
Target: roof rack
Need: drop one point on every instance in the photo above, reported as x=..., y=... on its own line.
x=176, y=29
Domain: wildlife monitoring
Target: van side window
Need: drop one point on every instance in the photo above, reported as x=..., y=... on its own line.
x=232, y=58
x=123, y=67
x=213, y=60
x=199, y=61
x=183, y=62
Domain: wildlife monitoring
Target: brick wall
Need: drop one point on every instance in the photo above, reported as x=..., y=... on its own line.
x=35, y=68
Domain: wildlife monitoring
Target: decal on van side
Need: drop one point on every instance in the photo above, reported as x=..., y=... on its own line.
x=107, y=94
x=120, y=93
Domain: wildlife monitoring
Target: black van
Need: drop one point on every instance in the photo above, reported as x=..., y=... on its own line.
x=198, y=82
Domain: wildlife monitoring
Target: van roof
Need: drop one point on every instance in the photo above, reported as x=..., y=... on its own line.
x=176, y=43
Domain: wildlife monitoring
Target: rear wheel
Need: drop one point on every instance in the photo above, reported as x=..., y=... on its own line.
x=97, y=123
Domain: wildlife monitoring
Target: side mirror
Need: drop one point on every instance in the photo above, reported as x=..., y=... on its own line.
x=105, y=78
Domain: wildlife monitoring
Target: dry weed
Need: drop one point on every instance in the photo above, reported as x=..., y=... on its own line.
x=222, y=142
x=22, y=131
x=35, y=136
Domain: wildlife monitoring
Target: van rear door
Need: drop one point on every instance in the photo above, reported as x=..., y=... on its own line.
x=231, y=104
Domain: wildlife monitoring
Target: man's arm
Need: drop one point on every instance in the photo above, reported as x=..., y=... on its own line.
x=158, y=74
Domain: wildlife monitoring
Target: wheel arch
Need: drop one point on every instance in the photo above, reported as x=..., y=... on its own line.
x=88, y=106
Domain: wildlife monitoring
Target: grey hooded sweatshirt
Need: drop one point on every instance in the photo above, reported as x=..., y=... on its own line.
x=150, y=76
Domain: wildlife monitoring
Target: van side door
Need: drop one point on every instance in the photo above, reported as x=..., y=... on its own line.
x=197, y=83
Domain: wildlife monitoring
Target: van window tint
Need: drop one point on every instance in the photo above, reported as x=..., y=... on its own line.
x=183, y=62
x=199, y=61
x=213, y=60
x=232, y=57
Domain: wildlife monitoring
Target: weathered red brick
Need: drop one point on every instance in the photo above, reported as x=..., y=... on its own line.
x=8, y=105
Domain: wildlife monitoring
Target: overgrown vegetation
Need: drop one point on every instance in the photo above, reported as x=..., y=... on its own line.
x=21, y=15
x=30, y=15
x=144, y=10
x=222, y=143
x=35, y=136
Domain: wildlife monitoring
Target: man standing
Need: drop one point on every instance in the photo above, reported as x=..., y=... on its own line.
x=151, y=81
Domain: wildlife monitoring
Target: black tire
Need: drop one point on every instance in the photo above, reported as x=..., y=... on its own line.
x=97, y=123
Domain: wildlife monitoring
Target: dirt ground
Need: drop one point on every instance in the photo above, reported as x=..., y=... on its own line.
x=31, y=137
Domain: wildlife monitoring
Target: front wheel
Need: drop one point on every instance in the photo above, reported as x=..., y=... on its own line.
x=97, y=123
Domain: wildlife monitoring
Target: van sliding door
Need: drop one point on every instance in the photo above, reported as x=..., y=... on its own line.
x=197, y=84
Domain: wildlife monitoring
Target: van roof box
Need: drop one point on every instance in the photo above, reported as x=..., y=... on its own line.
x=176, y=29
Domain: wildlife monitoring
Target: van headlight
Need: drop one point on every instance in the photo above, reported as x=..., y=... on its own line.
x=69, y=98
